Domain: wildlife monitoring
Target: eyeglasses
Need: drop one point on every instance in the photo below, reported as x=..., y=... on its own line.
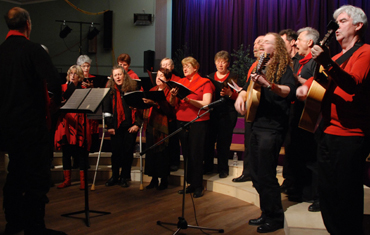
x=85, y=66
x=221, y=62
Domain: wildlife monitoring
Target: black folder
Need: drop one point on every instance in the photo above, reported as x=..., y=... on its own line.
x=183, y=90
x=135, y=98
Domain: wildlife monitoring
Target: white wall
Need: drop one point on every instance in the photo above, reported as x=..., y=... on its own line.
x=127, y=38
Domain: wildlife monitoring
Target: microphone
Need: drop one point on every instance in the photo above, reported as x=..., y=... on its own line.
x=214, y=104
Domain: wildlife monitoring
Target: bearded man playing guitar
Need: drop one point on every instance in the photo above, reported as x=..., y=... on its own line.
x=277, y=89
x=345, y=109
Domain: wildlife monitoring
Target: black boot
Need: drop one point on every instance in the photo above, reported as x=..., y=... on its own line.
x=153, y=183
x=164, y=183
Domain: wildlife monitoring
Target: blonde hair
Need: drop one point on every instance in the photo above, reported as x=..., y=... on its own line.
x=280, y=60
x=128, y=83
x=192, y=61
x=79, y=71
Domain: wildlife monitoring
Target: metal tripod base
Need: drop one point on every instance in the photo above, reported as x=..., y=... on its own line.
x=182, y=224
x=87, y=215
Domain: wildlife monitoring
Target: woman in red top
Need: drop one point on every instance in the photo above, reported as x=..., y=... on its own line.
x=157, y=121
x=193, y=139
x=124, y=60
x=70, y=131
x=85, y=62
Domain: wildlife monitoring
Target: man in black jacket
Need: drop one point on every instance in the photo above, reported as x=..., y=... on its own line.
x=26, y=76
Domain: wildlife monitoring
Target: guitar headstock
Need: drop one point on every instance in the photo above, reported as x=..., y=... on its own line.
x=332, y=27
x=264, y=58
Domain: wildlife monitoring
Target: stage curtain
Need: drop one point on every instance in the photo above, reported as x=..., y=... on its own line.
x=208, y=26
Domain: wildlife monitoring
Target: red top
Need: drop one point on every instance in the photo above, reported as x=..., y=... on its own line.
x=200, y=86
x=133, y=75
x=346, y=104
x=235, y=94
x=251, y=70
x=70, y=129
x=175, y=78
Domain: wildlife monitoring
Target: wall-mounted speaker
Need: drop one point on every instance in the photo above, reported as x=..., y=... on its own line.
x=149, y=60
x=108, y=30
x=142, y=19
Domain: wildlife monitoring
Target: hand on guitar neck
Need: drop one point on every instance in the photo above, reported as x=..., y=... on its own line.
x=260, y=80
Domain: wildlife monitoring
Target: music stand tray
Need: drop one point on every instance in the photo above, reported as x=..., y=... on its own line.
x=85, y=101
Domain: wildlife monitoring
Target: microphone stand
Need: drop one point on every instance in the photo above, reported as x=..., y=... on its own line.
x=182, y=223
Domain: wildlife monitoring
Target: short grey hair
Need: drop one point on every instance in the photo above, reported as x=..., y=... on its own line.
x=83, y=59
x=312, y=34
x=166, y=58
x=356, y=13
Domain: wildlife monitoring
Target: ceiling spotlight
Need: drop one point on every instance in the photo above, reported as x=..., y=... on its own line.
x=64, y=32
x=92, y=32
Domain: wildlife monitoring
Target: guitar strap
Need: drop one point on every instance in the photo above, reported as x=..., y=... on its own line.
x=349, y=53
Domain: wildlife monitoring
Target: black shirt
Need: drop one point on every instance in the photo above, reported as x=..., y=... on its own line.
x=273, y=110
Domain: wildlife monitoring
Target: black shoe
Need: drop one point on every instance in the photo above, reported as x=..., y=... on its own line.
x=174, y=168
x=242, y=178
x=285, y=185
x=314, y=207
x=188, y=189
x=153, y=183
x=258, y=221
x=124, y=183
x=163, y=185
x=198, y=192
x=269, y=227
x=223, y=174
x=112, y=181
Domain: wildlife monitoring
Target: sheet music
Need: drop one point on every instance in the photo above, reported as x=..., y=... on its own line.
x=92, y=101
x=76, y=99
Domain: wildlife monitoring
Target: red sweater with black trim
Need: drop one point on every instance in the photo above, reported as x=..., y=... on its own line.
x=346, y=104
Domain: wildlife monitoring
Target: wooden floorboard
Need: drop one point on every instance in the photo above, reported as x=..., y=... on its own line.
x=137, y=212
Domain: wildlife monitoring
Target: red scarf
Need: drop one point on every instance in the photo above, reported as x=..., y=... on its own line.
x=303, y=62
x=221, y=79
x=118, y=106
x=15, y=33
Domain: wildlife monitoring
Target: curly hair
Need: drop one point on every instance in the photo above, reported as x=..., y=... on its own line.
x=128, y=83
x=279, y=61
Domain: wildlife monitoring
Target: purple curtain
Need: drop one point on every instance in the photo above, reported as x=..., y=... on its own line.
x=208, y=26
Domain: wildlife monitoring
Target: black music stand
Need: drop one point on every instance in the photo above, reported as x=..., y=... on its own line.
x=182, y=223
x=85, y=101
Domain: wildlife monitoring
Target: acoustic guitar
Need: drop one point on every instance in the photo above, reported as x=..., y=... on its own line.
x=254, y=92
x=311, y=114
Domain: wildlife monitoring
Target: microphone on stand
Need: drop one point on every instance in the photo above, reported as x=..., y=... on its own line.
x=214, y=104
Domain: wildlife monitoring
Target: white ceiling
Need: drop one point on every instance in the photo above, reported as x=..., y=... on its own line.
x=25, y=2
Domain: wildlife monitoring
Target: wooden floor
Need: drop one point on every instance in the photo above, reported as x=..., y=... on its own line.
x=137, y=212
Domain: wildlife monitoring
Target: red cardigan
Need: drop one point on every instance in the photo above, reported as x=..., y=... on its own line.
x=346, y=104
x=200, y=86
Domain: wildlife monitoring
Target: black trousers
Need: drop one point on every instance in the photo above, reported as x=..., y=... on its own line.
x=341, y=161
x=221, y=132
x=123, y=144
x=192, y=145
x=28, y=180
x=174, y=144
x=246, y=154
x=78, y=153
x=264, y=153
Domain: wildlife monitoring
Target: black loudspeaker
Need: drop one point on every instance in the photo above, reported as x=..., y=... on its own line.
x=149, y=60
x=108, y=29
